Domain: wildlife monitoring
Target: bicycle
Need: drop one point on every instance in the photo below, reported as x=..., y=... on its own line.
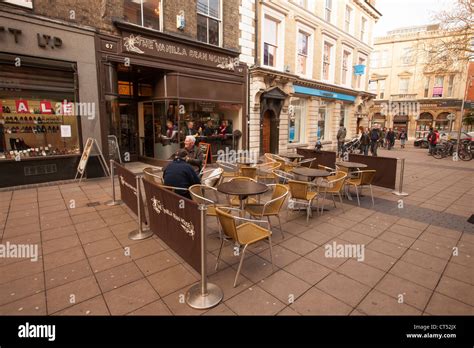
x=465, y=153
x=443, y=150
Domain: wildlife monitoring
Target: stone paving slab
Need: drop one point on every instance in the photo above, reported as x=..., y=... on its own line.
x=417, y=259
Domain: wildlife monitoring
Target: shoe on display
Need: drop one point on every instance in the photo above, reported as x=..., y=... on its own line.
x=15, y=119
x=7, y=110
x=39, y=120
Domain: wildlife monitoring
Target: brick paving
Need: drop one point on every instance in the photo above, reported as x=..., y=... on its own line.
x=83, y=268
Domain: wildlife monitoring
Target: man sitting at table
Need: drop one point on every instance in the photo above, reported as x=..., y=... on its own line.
x=209, y=129
x=189, y=130
x=180, y=174
x=195, y=156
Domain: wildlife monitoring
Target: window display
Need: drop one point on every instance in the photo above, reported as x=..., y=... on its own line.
x=37, y=127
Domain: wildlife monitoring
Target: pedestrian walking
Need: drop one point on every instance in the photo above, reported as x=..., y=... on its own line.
x=433, y=137
x=375, y=135
x=364, y=142
x=403, y=138
x=341, y=136
x=383, y=135
x=390, y=139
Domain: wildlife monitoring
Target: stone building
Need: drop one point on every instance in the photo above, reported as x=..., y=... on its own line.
x=303, y=56
x=410, y=94
x=148, y=67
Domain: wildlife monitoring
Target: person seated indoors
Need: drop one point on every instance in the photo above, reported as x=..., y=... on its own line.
x=171, y=131
x=225, y=128
x=189, y=130
x=209, y=129
x=180, y=174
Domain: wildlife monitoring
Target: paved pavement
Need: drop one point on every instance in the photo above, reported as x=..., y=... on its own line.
x=418, y=257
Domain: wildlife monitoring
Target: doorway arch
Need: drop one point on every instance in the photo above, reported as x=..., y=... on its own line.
x=271, y=103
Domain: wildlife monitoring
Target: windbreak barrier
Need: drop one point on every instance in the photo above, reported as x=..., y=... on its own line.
x=128, y=188
x=386, y=169
x=325, y=158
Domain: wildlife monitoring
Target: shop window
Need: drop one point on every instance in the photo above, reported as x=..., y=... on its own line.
x=125, y=88
x=322, y=122
x=146, y=13
x=209, y=21
x=145, y=90
x=270, y=46
x=303, y=40
x=438, y=87
x=297, y=114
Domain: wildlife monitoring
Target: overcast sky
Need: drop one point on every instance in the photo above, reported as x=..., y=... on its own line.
x=406, y=13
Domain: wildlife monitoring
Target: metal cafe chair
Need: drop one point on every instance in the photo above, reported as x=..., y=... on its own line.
x=265, y=171
x=244, y=234
x=329, y=169
x=308, y=162
x=211, y=177
x=270, y=208
x=153, y=174
x=333, y=185
x=230, y=170
x=248, y=172
x=363, y=178
x=300, y=193
x=200, y=194
x=283, y=176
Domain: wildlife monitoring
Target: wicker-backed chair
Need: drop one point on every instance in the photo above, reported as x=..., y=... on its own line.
x=230, y=170
x=308, y=162
x=244, y=234
x=248, y=172
x=333, y=185
x=153, y=174
x=329, y=169
x=283, y=177
x=300, y=193
x=362, y=178
x=270, y=208
x=265, y=171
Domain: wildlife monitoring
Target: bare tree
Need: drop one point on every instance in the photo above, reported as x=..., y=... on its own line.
x=453, y=44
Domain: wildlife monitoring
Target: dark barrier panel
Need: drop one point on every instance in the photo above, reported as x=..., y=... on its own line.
x=128, y=188
x=176, y=220
x=386, y=168
x=325, y=158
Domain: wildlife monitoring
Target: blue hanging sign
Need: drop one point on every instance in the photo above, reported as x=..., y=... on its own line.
x=359, y=69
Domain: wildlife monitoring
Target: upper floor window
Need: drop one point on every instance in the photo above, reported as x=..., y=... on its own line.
x=146, y=13
x=403, y=86
x=438, y=87
x=346, y=67
x=327, y=60
x=426, y=88
x=270, y=42
x=328, y=10
x=407, y=55
x=374, y=59
x=450, y=86
x=383, y=58
x=348, y=19
x=363, y=29
x=381, y=89
x=361, y=79
x=303, y=40
x=209, y=21
x=373, y=86
x=302, y=3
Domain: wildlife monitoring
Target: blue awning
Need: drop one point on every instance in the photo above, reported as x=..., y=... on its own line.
x=324, y=94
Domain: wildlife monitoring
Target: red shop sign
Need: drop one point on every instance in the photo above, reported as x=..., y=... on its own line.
x=22, y=106
x=45, y=107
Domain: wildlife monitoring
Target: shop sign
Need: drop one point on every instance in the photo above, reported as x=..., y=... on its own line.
x=442, y=104
x=233, y=107
x=324, y=94
x=44, y=40
x=22, y=106
x=163, y=48
x=45, y=107
x=207, y=107
x=359, y=69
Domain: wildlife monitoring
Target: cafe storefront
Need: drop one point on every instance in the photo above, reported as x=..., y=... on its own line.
x=48, y=99
x=158, y=88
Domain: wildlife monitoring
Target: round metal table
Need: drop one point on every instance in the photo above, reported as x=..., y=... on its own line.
x=292, y=156
x=351, y=165
x=311, y=172
x=242, y=189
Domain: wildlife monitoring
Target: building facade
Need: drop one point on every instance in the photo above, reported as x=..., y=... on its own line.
x=143, y=69
x=410, y=95
x=308, y=69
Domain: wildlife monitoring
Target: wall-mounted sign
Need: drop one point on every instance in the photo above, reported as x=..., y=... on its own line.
x=162, y=48
x=359, y=69
x=65, y=131
x=44, y=40
x=324, y=94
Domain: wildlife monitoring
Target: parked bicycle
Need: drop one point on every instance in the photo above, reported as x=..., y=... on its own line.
x=448, y=148
x=443, y=149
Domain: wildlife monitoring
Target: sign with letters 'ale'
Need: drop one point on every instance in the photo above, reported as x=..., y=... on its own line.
x=128, y=188
x=176, y=220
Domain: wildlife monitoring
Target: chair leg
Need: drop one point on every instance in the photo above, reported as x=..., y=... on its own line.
x=271, y=251
x=340, y=199
x=372, y=195
x=269, y=222
x=357, y=193
x=307, y=214
x=333, y=200
x=219, y=255
x=322, y=205
x=281, y=229
x=240, y=264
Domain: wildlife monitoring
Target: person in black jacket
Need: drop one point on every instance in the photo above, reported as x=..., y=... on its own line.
x=180, y=174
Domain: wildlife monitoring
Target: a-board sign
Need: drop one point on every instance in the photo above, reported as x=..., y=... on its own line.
x=176, y=220
x=85, y=155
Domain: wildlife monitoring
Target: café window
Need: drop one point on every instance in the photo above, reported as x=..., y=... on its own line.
x=209, y=21
x=296, y=119
x=39, y=122
x=146, y=13
x=438, y=87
